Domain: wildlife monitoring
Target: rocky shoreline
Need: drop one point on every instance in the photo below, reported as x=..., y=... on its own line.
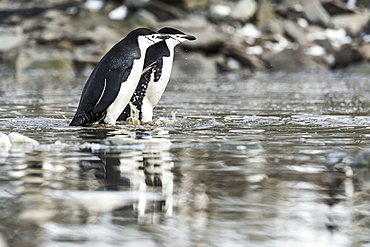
x=235, y=35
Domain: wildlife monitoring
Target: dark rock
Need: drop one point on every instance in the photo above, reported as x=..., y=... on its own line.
x=366, y=29
x=362, y=158
x=20, y=13
x=30, y=9
x=337, y=8
x=293, y=60
x=326, y=44
x=363, y=3
x=359, y=68
x=316, y=14
x=135, y=4
x=347, y=55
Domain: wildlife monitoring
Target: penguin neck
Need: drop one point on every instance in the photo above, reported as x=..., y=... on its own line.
x=143, y=44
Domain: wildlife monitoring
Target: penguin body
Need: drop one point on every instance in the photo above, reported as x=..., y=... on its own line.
x=114, y=79
x=155, y=76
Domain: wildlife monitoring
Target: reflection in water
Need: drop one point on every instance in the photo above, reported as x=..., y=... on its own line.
x=255, y=160
x=140, y=164
x=69, y=191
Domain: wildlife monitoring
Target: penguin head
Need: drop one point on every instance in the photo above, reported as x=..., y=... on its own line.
x=175, y=36
x=146, y=37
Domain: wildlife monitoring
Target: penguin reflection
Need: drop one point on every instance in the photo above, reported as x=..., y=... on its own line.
x=148, y=169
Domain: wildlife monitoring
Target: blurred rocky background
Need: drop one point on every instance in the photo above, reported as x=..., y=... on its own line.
x=231, y=35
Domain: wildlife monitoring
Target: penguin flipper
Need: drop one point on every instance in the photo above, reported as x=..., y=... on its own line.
x=112, y=85
x=155, y=67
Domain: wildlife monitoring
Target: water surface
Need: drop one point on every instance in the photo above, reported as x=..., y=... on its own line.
x=249, y=159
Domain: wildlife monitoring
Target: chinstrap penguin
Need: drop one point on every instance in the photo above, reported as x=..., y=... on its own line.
x=155, y=76
x=115, y=78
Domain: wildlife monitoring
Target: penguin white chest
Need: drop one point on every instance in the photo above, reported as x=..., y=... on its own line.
x=127, y=89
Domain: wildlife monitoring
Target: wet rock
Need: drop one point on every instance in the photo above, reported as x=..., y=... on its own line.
x=289, y=10
x=316, y=13
x=194, y=64
x=346, y=55
x=35, y=59
x=136, y=3
x=208, y=38
x=362, y=158
x=243, y=10
x=195, y=4
x=326, y=44
x=363, y=3
x=164, y=11
x=265, y=13
x=19, y=138
x=246, y=60
x=295, y=32
x=337, y=8
x=366, y=29
x=352, y=23
x=365, y=51
x=102, y=34
x=359, y=68
x=9, y=48
x=144, y=18
x=294, y=60
x=274, y=27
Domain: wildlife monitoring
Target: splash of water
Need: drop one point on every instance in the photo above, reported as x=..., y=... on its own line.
x=166, y=120
x=134, y=115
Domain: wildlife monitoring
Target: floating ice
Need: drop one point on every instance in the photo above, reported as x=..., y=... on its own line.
x=19, y=138
x=4, y=140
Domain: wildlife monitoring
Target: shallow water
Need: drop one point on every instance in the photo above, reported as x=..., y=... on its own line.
x=241, y=160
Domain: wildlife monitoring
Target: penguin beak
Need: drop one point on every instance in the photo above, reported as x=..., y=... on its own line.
x=182, y=37
x=189, y=37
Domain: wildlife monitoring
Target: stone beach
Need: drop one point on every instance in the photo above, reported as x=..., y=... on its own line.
x=257, y=35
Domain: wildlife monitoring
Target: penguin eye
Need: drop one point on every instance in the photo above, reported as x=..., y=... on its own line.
x=152, y=36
